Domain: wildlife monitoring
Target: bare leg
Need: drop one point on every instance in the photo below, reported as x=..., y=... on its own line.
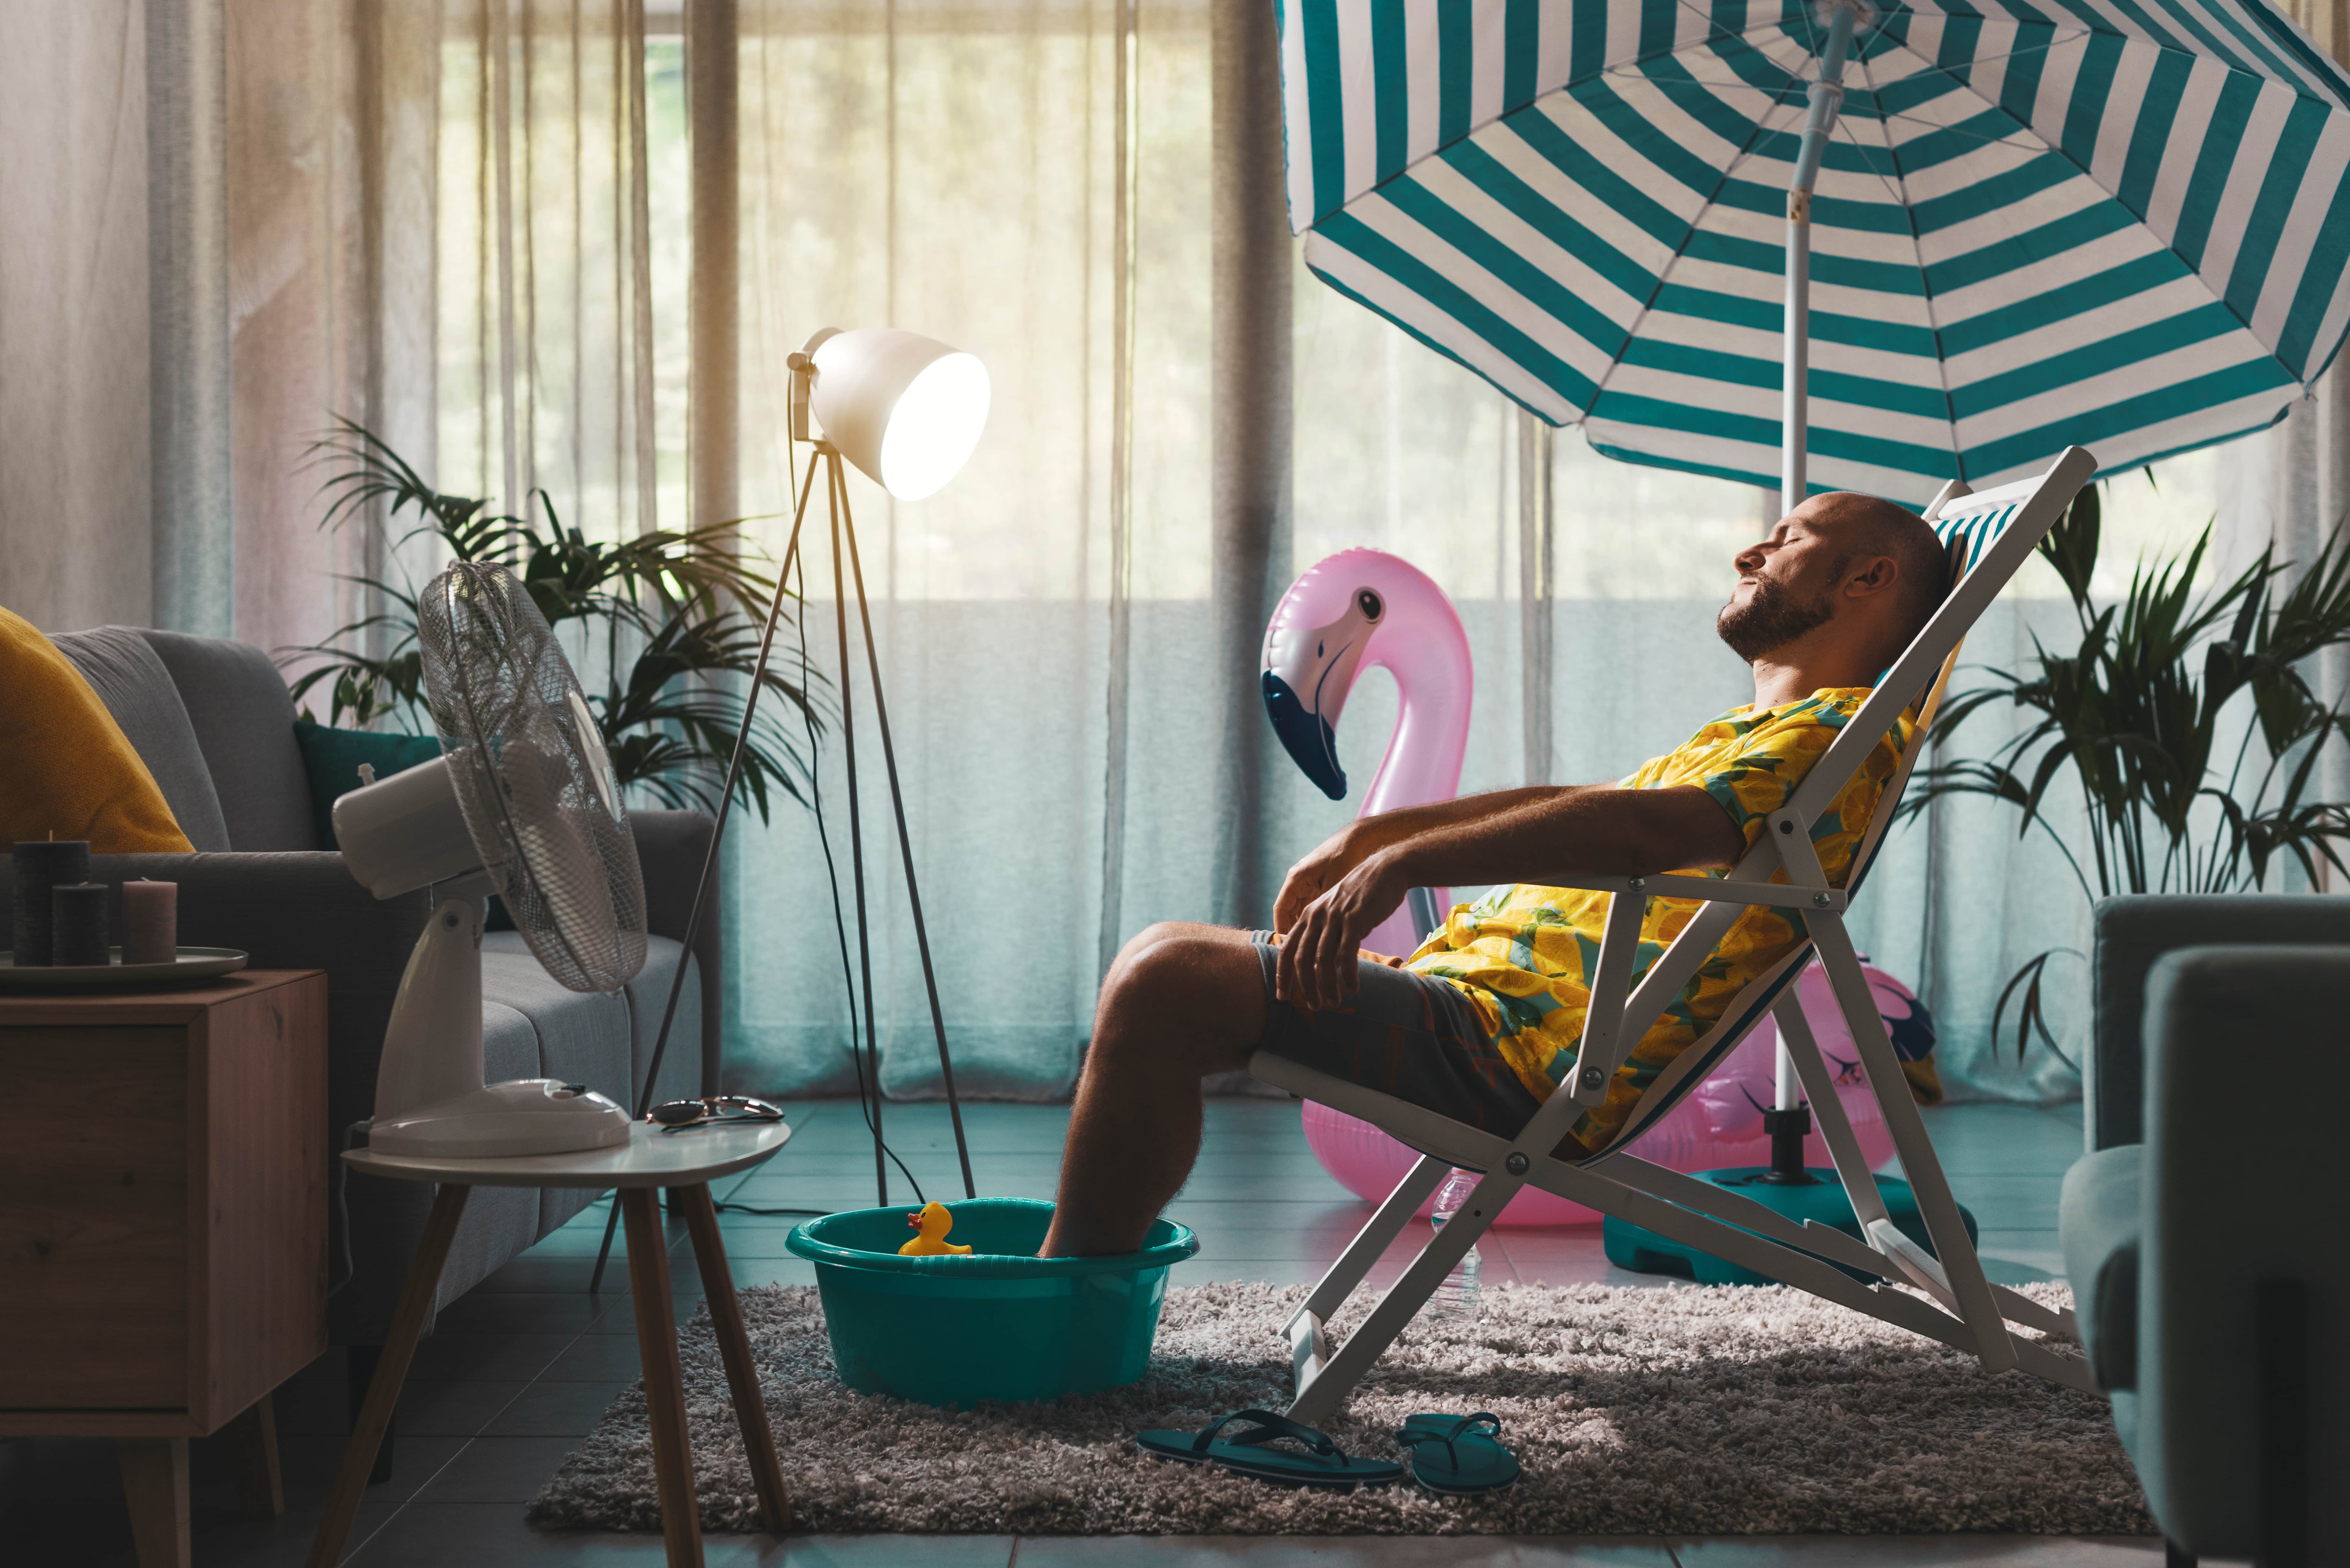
x=1181, y=1002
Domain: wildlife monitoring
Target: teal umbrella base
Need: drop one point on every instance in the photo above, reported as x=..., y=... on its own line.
x=1646, y=1253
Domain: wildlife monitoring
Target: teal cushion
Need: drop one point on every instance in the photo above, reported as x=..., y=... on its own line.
x=333, y=757
x=2099, y=1222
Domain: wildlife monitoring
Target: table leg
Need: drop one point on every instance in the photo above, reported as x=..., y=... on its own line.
x=408, y=1320
x=681, y=1511
x=155, y=1484
x=251, y=1442
x=734, y=1349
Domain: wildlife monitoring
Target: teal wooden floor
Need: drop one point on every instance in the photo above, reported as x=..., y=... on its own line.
x=521, y=1369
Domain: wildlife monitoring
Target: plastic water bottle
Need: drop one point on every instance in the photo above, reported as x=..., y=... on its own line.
x=1457, y=1296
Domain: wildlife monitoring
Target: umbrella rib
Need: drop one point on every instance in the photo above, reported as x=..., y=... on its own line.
x=2027, y=139
x=2084, y=171
x=1632, y=333
x=1900, y=184
x=1635, y=68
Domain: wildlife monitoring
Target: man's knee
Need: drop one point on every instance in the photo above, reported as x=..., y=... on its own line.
x=1172, y=943
x=1151, y=936
x=1205, y=983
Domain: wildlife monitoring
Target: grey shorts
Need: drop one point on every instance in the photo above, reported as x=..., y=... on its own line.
x=1404, y=1034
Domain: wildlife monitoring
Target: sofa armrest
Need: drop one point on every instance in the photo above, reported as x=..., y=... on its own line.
x=671, y=846
x=2135, y=932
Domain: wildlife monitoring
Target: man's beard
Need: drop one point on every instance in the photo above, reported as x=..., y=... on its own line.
x=1770, y=620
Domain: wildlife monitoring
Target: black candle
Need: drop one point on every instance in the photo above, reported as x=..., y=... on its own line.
x=78, y=923
x=40, y=865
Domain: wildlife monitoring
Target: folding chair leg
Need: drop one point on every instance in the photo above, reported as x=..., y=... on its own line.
x=1370, y=1243
x=1308, y=1348
x=1859, y=1181
x=1322, y=1393
x=1970, y=1288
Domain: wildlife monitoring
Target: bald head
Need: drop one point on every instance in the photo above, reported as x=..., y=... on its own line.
x=1866, y=525
x=1843, y=583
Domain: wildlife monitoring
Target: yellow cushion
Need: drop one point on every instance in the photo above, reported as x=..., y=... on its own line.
x=65, y=769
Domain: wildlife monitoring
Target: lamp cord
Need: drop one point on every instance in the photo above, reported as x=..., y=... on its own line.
x=865, y=1091
x=709, y=854
x=795, y=570
x=343, y=1202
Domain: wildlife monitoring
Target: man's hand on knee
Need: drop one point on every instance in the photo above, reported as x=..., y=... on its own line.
x=1318, y=953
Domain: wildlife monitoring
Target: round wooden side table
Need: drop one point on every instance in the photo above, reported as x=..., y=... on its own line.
x=685, y=1163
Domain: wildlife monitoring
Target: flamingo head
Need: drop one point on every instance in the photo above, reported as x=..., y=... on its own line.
x=1313, y=648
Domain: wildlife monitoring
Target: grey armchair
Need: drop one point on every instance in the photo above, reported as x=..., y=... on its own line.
x=2203, y=1234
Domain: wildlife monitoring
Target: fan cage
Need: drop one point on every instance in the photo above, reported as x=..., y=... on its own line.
x=532, y=776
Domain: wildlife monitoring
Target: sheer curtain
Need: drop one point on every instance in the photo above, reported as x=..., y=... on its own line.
x=447, y=226
x=468, y=225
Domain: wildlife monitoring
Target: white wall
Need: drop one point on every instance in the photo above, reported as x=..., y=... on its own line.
x=74, y=485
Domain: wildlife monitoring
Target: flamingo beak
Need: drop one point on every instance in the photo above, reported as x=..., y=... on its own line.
x=1307, y=673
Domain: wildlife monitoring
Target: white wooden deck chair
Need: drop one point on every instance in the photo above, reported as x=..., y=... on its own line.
x=1988, y=535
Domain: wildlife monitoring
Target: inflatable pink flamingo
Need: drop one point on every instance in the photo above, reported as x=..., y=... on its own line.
x=1366, y=609
x=1362, y=610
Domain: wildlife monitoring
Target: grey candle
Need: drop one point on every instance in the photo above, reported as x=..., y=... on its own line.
x=78, y=923
x=40, y=865
x=151, y=922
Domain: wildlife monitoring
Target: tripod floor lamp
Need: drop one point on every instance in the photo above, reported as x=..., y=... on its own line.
x=906, y=411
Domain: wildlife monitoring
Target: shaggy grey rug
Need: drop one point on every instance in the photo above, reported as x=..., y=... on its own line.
x=1697, y=1411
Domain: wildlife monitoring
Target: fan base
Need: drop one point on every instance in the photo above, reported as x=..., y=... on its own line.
x=525, y=1115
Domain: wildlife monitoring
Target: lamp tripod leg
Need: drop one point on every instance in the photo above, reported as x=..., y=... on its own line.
x=835, y=484
x=905, y=840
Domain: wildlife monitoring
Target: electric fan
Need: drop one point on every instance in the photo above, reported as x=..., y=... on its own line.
x=522, y=802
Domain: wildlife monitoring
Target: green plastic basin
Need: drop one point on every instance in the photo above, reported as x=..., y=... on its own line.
x=999, y=1324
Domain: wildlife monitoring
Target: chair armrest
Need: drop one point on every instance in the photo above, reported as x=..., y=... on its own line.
x=1714, y=890
x=2099, y=1222
x=2246, y=1082
x=671, y=846
x=2132, y=933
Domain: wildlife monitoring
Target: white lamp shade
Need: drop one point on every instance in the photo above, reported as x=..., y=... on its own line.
x=905, y=409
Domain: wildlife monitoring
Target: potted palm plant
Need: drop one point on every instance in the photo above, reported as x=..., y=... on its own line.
x=671, y=622
x=2184, y=718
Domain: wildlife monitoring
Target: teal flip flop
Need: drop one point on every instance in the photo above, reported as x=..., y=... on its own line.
x=1456, y=1456
x=1323, y=1463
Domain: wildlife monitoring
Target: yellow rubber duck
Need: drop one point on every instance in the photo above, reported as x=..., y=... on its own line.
x=933, y=1222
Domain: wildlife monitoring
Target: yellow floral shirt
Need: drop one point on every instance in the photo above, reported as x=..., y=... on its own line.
x=1522, y=955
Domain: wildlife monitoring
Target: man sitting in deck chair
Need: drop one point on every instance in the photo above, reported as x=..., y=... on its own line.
x=1485, y=1018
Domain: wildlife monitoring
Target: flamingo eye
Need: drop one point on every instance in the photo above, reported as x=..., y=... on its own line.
x=1368, y=602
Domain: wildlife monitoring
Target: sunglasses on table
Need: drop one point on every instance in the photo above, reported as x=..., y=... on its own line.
x=676, y=1116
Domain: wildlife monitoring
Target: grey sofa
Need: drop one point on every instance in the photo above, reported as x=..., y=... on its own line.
x=2203, y=1234
x=213, y=721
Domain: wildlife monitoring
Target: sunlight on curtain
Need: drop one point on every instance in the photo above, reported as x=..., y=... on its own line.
x=563, y=244
x=952, y=168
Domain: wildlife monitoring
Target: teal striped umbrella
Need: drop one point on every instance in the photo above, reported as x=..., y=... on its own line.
x=2114, y=224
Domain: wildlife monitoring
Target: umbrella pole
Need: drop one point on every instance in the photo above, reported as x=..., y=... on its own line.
x=1789, y=1123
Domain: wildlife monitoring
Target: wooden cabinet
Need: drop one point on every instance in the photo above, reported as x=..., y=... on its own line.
x=163, y=1195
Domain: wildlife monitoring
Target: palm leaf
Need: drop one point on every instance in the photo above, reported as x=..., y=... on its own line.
x=678, y=614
